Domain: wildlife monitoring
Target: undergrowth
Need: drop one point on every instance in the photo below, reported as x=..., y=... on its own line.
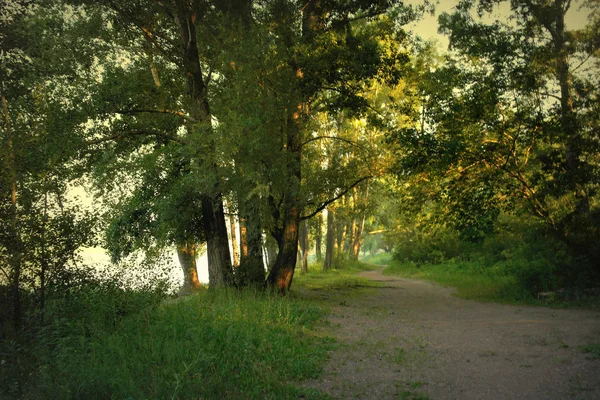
x=224, y=344
x=520, y=263
x=380, y=258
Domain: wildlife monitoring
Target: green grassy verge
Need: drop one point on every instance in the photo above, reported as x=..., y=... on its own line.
x=470, y=280
x=225, y=344
x=342, y=277
x=476, y=281
x=380, y=258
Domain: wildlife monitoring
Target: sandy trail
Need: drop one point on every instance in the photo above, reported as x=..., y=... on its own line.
x=413, y=340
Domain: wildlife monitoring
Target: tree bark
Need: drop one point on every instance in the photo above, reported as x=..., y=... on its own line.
x=360, y=227
x=243, y=238
x=340, y=236
x=318, y=236
x=282, y=273
x=271, y=250
x=330, y=240
x=252, y=269
x=350, y=232
x=234, y=242
x=217, y=241
x=186, y=252
x=304, y=245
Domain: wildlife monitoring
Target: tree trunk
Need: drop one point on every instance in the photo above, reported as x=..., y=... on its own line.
x=330, y=240
x=360, y=227
x=304, y=245
x=252, y=269
x=186, y=252
x=271, y=247
x=280, y=277
x=282, y=273
x=318, y=236
x=350, y=232
x=243, y=238
x=341, y=232
x=341, y=235
x=234, y=242
x=217, y=241
x=569, y=124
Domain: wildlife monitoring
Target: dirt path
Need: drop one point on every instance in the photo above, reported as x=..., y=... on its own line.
x=414, y=340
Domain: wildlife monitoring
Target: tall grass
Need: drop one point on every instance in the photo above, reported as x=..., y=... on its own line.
x=224, y=344
x=471, y=279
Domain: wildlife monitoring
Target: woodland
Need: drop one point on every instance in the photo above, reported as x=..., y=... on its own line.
x=278, y=137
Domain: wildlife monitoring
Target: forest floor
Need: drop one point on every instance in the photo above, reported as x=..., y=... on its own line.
x=411, y=339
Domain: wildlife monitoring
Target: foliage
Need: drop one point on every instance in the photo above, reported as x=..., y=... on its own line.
x=216, y=344
x=380, y=258
x=503, y=124
x=515, y=264
x=80, y=307
x=41, y=232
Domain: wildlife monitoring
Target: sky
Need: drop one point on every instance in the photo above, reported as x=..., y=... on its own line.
x=576, y=18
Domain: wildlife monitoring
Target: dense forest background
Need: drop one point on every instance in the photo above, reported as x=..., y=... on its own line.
x=262, y=132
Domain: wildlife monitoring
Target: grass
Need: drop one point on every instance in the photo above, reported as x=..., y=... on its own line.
x=107, y=342
x=476, y=281
x=470, y=280
x=225, y=344
x=380, y=258
x=342, y=277
x=592, y=351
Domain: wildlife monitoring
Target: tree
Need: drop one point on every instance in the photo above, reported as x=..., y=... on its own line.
x=503, y=124
x=289, y=84
x=40, y=233
x=161, y=114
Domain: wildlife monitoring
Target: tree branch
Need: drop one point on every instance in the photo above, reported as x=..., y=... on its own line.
x=171, y=112
x=148, y=34
x=336, y=138
x=378, y=231
x=5, y=273
x=121, y=135
x=328, y=202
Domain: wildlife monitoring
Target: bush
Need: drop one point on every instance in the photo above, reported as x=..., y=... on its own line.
x=79, y=310
x=522, y=258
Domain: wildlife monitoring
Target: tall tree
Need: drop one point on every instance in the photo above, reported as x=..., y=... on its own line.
x=504, y=123
x=40, y=234
x=298, y=81
x=170, y=124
